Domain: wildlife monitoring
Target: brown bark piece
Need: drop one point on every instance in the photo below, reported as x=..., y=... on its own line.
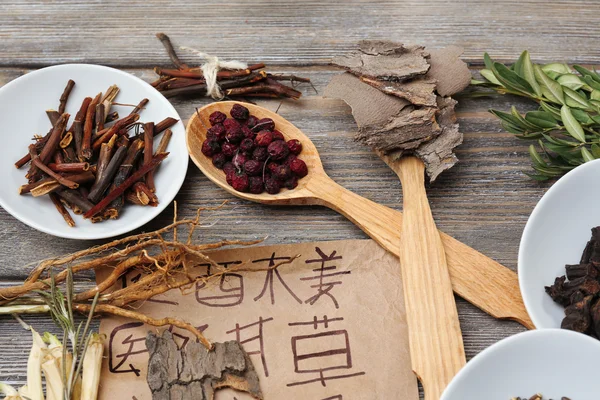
x=451, y=73
x=418, y=91
x=386, y=61
x=438, y=154
x=395, y=127
x=193, y=373
x=370, y=107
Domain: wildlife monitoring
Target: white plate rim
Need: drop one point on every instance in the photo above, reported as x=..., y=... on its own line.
x=506, y=342
x=153, y=212
x=557, y=186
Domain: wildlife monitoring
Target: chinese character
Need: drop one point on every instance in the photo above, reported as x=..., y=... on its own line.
x=131, y=350
x=269, y=279
x=321, y=352
x=251, y=338
x=324, y=285
x=231, y=285
x=184, y=335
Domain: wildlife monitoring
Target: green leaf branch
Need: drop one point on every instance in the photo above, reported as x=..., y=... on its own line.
x=566, y=127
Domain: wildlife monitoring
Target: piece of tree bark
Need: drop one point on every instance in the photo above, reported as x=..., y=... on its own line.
x=386, y=61
x=419, y=91
x=451, y=73
x=193, y=373
x=438, y=154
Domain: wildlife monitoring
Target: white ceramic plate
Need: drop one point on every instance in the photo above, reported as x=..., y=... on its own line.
x=556, y=234
x=22, y=111
x=552, y=362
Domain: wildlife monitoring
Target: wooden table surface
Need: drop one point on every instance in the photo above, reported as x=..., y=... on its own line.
x=484, y=201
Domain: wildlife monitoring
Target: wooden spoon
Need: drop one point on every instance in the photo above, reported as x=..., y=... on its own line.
x=436, y=346
x=475, y=277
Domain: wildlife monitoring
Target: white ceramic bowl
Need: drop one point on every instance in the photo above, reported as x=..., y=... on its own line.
x=556, y=234
x=553, y=362
x=22, y=111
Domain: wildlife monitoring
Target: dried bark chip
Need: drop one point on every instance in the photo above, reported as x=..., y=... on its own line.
x=451, y=73
x=395, y=127
x=438, y=154
x=387, y=61
x=195, y=373
x=370, y=107
x=419, y=91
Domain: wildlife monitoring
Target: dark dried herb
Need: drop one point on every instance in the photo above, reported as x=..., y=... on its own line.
x=579, y=290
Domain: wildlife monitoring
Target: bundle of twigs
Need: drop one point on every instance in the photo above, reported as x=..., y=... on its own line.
x=249, y=82
x=167, y=264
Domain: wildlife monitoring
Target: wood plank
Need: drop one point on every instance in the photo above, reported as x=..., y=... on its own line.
x=277, y=32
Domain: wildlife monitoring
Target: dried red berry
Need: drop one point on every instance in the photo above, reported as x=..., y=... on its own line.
x=229, y=149
x=216, y=132
x=256, y=185
x=272, y=166
x=251, y=121
x=291, y=183
x=264, y=138
x=210, y=147
x=239, y=181
x=282, y=172
x=253, y=167
x=216, y=118
x=289, y=159
x=295, y=146
x=272, y=185
x=264, y=124
x=278, y=135
x=299, y=168
x=239, y=160
x=233, y=131
x=248, y=132
x=278, y=150
x=234, y=136
x=239, y=112
x=260, y=154
x=229, y=168
x=247, y=145
x=229, y=177
x=219, y=160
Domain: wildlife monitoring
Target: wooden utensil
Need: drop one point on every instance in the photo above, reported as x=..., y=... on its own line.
x=436, y=346
x=475, y=277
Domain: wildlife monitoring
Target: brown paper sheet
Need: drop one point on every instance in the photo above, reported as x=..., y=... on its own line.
x=329, y=326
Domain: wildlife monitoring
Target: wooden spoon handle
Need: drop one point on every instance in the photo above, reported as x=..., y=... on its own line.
x=475, y=277
x=436, y=346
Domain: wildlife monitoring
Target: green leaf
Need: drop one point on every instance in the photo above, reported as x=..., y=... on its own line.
x=543, y=119
x=596, y=151
x=586, y=72
x=587, y=156
x=555, y=70
x=512, y=128
x=571, y=81
x=511, y=119
x=571, y=124
x=489, y=75
x=535, y=157
x=511, y=80
x=590, y=81
x=528, y=74
x=582, y=117
x=489, y=64
x=574, y=99
x=538, y=177
x=551, y=109
x=596, y=119
x=553, y=87
x=518, y=66
x=595, y=94
x=523, y=121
